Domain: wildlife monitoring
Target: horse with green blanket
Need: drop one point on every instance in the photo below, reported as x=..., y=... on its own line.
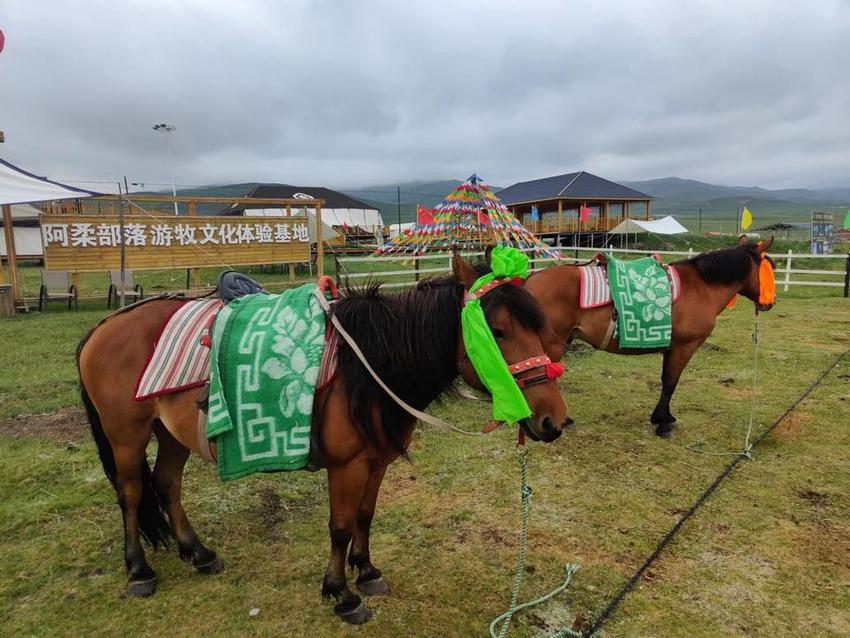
x=709, y=283
x=417, y=342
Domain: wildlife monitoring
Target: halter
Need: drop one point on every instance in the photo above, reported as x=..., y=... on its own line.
x=551, y=371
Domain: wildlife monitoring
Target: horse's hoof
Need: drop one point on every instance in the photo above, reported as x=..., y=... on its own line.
x=214, y=566
x=141, y=588
x=664, y=430
x=356, y=616
x=377, y=587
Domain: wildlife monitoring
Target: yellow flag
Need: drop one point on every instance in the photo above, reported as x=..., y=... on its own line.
x=746, y=219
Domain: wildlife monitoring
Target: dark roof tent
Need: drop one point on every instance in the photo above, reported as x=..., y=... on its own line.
x=580, y=185
x=332, y=199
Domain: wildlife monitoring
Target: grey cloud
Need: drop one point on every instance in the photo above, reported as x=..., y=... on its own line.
x=353, y=93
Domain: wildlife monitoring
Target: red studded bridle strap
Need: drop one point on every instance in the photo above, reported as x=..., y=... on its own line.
x=551, y=371
x=470, y=296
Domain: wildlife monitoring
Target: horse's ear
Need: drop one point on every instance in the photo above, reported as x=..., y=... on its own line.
x=742, y=240
x=463, y=270
x=764, y=246
x=488, y=251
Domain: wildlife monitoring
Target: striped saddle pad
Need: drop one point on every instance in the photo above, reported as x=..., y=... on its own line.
x=181, y=361
x=594, y=291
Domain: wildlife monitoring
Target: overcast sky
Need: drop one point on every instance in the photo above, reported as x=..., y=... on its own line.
x=357, y=93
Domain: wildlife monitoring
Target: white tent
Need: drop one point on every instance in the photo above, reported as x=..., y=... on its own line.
x=17, y=186
x=27, y=242
x=664, y=226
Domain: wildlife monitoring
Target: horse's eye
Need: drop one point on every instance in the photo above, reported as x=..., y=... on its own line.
x=498, y=334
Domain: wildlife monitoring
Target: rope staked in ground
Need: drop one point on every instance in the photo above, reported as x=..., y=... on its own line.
x=571, y=569
x=746, y=451
x=615, y=602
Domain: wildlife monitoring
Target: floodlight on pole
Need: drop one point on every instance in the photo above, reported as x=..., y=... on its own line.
x=168, y=129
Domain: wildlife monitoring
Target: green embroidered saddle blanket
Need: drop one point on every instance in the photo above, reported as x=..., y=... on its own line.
x=266, y=353
x=641, y=293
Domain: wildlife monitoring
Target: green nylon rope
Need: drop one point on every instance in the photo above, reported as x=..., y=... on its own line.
x=571, y=569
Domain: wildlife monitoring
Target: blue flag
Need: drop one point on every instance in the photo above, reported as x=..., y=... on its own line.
x=534, y=216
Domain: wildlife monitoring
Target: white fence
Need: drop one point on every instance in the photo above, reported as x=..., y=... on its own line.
x=405, y=270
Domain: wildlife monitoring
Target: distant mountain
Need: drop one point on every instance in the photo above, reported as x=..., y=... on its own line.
x=673, y=195
x=689, y=190
x=386, y=197
x=685, y=197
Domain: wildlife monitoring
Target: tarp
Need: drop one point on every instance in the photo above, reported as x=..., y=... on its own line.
x=664, y=226
x=27, y=242
x=17, y=186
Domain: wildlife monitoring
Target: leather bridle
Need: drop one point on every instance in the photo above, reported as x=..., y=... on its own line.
x=551, y=371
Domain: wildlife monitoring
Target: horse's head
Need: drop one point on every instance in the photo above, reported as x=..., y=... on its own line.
x=760, y=286
x=516, y=323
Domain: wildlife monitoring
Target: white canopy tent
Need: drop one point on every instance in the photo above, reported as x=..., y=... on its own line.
x=18, y=186
x=664, y=226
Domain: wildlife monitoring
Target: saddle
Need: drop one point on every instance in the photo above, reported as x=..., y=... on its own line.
x=233, y=285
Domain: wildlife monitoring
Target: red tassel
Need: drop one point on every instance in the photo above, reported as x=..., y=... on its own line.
x=554, y=370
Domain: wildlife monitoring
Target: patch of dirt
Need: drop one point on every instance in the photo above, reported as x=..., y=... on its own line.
x=739, y=393
x=68, y=425
x=712, y=347
x=270, y=508
x=815, y=498
x=791, y=427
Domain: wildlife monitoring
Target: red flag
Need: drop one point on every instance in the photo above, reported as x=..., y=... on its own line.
x=2, y=40
x=423, y=216
x=482, y=217
x=584, y=213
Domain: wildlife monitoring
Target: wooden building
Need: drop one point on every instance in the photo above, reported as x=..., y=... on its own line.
x=551, y=207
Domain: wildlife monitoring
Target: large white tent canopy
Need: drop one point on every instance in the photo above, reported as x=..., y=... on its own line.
x=664, y=226
x=17, y=186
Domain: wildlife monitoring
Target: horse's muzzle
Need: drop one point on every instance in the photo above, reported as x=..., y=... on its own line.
x=547, y=435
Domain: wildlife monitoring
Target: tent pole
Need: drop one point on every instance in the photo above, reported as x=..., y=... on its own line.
x=121, y=299
x=320, y=251
x=11, y=255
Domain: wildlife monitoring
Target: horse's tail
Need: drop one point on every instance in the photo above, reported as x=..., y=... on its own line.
x=153, y=524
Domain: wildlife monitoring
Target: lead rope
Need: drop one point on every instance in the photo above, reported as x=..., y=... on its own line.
x=422, y=416
x=746, y=451
x=571, y=569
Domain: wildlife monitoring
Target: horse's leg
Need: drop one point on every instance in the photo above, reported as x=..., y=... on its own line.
x=346, y=484
x=369, y=580
x=131, y=467
x=168, y=478
x=675, y=360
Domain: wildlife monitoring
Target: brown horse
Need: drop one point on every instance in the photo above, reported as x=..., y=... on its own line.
x=413, y=342
x=709, y=282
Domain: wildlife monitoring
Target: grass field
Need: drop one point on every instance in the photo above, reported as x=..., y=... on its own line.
x=768, y=555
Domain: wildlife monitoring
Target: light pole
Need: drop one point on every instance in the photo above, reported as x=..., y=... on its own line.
x=168, y=129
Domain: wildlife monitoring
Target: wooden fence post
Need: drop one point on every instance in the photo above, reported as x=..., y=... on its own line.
x=787, y=271
x=193, y=273
x=847, y=276
x=11, y=255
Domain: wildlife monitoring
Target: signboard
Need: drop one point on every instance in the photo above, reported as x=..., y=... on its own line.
x=92, y=243
x=823, y=225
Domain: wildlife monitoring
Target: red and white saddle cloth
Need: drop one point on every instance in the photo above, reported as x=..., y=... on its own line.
x=594, y=291
x=181, y=356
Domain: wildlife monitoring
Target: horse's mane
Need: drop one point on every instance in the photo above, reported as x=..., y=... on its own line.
x=411, y=340
x=728, y=265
